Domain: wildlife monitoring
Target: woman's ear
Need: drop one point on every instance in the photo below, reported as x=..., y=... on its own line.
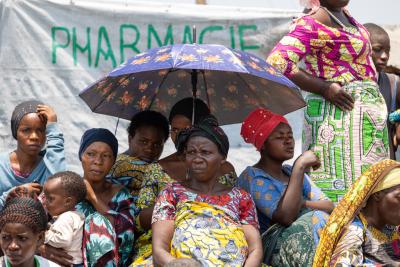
x=40, y=239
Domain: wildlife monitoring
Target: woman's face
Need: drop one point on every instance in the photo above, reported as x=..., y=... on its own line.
x=280, y=143
x=380, y=43
x=19, y=243
x=389, y=206
x=334, y=4
x=97, y=160
x=147, y=144
x=203, y=159
x=179, y=123
x=31, y=134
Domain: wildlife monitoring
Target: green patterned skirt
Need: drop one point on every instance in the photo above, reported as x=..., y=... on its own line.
x=347, y=142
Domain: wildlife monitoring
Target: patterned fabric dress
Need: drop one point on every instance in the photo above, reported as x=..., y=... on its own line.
x=105, y=244
x=207, y=228
x=347, y=239
x=287, y=246
x=346, y=142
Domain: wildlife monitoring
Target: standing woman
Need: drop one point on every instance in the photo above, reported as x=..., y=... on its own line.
x=33, y=125
x=109, y=209
x=345, y=118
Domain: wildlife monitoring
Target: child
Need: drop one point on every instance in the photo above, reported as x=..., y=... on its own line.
x=388, y=83
x=283, y=194
x=22, y=225
x=63, y=191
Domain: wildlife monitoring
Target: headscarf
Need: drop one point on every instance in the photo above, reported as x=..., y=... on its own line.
x=380, y=176
x=258, y=126
x=209, y=129
x=184, y=107
x=20, y=111
x=98, y=135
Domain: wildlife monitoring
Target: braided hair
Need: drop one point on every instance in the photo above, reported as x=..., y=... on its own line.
x=26, y=211
x=72, y=183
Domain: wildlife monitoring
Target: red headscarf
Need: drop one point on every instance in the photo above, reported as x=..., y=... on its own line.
x=258, y=126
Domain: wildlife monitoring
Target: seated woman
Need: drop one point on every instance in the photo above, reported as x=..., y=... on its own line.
x=363, y=228
x=147, y=134
x=27, y=167
x=201, y=218
x=180, y=118
x=109, y=210
x=283, y=194
x=23, y=223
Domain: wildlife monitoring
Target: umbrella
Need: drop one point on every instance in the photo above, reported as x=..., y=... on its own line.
x=231, y=82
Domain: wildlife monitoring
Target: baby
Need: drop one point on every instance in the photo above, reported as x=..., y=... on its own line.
x=63, y=191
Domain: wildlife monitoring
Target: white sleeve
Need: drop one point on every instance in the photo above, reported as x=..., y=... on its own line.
x=61, y=232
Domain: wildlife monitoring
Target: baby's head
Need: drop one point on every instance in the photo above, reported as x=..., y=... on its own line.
x=183, y=263
x=63, y=191
x=22, y=225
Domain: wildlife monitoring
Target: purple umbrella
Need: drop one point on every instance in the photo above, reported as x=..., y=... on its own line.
x=231, y=82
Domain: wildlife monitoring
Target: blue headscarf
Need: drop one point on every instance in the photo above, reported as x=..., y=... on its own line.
x=98, y=135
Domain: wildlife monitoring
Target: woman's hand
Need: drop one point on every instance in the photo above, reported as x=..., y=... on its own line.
x=57, y=255
x=309, y=159
x=90, y=194
x=47, y=113
x=31, y=190
x=335, y=94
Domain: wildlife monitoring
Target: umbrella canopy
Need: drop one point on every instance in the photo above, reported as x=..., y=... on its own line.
x=231, y=82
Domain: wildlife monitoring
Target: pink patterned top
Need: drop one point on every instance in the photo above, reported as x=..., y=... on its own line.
x=336, y=54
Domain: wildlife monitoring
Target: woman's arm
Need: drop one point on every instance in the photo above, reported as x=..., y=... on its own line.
x=145, y=217
x=255, y=247
x=292, y=200
x=324, y=205
x=332, y=92
x=162, y=236
x=97, y=203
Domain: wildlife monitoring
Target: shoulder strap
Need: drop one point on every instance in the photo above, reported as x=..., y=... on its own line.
x=393, y=79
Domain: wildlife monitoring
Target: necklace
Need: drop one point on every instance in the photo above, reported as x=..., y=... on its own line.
x=333, y=17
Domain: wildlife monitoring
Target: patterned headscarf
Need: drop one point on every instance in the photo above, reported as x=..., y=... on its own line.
x=20, y=111
x=98, y=135
x=258, y=125
x=209, y=129
x=378, y=176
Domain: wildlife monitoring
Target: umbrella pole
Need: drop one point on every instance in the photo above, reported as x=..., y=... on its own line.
x=194, y=90
x=116, y=127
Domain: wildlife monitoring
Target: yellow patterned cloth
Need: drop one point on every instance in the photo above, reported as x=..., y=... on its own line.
x=209, y=234
x=348, y=208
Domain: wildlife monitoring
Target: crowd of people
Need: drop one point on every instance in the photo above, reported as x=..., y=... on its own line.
x=337, y=205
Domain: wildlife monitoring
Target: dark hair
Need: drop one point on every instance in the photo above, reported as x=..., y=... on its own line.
x=72, y=184
x=26, y=211
x=184, y=107
x=375, y=29
x=149, y=118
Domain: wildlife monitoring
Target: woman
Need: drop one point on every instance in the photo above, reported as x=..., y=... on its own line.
x=345, y=118
x=23, y=223
x=180, y=118
x=363, y=228
x=283, y=194
x=109, y=210
x=33, y=125
x=201, y=218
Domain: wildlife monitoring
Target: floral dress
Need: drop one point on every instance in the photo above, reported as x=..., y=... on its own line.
x=105, y=244
x=207, y=228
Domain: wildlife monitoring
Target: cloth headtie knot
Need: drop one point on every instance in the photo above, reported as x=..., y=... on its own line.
x=258, y=126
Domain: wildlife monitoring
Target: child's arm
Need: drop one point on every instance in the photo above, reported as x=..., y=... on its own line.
x=292, y=200
x=61, y=233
